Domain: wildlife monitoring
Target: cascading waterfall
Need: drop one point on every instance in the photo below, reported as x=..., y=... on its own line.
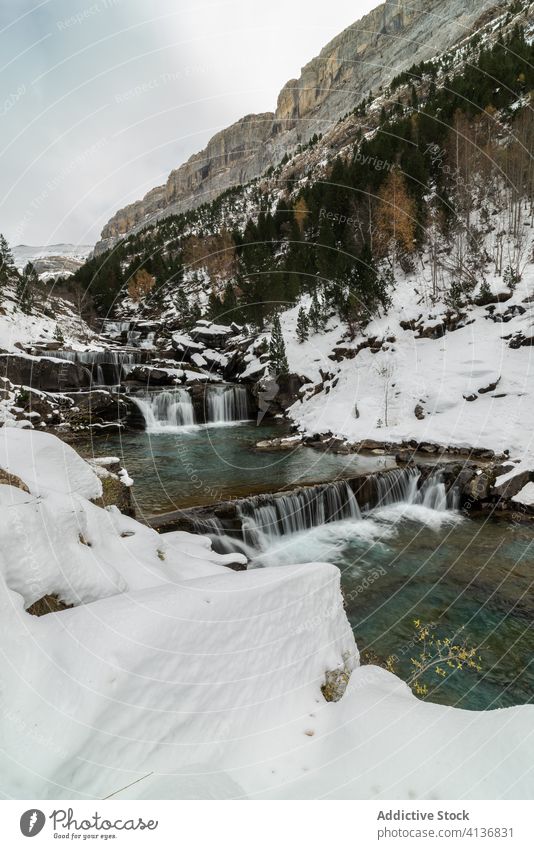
x=266, y=517
x=115, y=328
x=401, y=486
x=166, y=410
x=171, y=408
x=117, y=362
x=226, y=404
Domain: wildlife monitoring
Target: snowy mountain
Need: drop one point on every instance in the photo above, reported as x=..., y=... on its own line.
x=52, y=261
x=364, y=57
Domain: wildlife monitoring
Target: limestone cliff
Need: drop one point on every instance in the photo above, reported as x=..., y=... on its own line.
x=362, y=58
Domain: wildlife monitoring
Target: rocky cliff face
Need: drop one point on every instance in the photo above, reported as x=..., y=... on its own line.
x=363, y=57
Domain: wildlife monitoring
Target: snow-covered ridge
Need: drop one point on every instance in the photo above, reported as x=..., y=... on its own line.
x=201, y=681
x=29, y=253
x=52, y=261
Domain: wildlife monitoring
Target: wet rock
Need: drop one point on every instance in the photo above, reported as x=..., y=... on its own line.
x=97, y=408
x=404, y=458
x=478, y=487
x=279, y=444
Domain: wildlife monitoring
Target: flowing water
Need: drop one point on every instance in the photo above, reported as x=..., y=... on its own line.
x=413, y=557
x=176, y=467
x=167, y=410
x=410, y=557
x=172, y=409
x=107, y=368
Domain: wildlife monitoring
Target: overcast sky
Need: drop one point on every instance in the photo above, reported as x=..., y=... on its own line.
x=78, y=142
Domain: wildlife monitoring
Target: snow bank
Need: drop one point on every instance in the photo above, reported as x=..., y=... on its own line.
x=201, y=681
x=46, y=464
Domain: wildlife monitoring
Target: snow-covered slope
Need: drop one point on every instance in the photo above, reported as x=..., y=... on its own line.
x=423, y=371
x=201, y=681
x=50, y=316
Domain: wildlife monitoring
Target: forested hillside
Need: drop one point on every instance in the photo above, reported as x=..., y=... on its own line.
x=437, y=172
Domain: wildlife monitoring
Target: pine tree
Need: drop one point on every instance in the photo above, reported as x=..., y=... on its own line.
x=366, y=291
x=277, y=349
x=229, y=303
x=26, y=288
x=316, y=316
x=195, y=313
x=181, y=303
x=7, y=265
x=303, y=326
x=215, y=306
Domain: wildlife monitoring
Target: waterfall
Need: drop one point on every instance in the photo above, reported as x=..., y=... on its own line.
x=90, y=358
x=115, y=328
x=226, y=404
x=100, y=379
x=172, y=408
x=266, y=517
x=117, y=363
x=401, y=486
x=166, y=410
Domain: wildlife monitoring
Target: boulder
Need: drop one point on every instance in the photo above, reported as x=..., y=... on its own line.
x=96, y=407
x=47, y=374
x=513, y=485
x=185, y=345
x=419, y=412
x=479, y=485
x=274, y=395
x=212, y=336
x=116, y=486
x=487, y=298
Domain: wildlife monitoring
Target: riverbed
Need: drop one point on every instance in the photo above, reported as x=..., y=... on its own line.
x=468, y=580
